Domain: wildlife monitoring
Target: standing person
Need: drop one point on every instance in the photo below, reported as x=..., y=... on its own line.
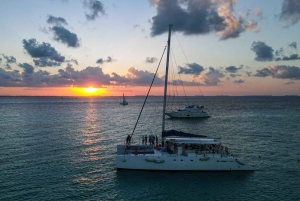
x=145, y=139
x=128, y=139
x=150, y=139
x=156, y=139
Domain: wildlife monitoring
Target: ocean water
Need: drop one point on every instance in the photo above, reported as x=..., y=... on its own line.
x=64, y=149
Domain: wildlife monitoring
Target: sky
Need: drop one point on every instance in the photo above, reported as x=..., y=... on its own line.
x=111, y=47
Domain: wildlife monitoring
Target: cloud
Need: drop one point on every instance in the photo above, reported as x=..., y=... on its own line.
x=280, y=72
x=286, y=58
x=288, y=83
x=212, y=77
x=0, y=60
x=44, y=62
x=151, y=60
x=9, y=59
x=7, y=66
x=95, y=7
x=290, y=12
x=235, y=75
x=143, y=78
x=263, y=52
x=56, y=20
x=199, y=17
x=27, y=68
x=233, y=69
x=65, y=36
x=293, y=45
x=240, y=81
x=44, y=50
x=108, y=60
x=192, y=69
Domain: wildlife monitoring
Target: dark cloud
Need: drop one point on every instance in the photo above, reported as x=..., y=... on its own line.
x=233, y=69
x=192, y=69
x=290, y=12
x=235, y=75
x=0, y=60
x=108, y=60
x=263, y=52
x=95, y=7
x=100, y=61
x=288, y=83
x=27, y=68
x=212, y=77
x=89, y=76
x=9, y=59
x=287, y=58
x=44, y=50
x=199, y=17
x=280, y=72
x=65, y=36
x=248, y=73
x=240, y=81
x=293, y=45
x=56, y=20
x=44, y=62
x=151, y=60
x=74, y=61
x=7, y=66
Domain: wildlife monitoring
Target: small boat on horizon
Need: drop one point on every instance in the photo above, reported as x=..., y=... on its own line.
x=124, y=102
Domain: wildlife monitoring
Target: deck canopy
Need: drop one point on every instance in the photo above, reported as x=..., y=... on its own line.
x=181, y=140
x=180, y=134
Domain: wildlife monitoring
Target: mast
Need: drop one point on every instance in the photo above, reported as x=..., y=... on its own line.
x=166, y=79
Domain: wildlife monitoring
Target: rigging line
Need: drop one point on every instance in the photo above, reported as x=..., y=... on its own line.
x=180, y=78
x=148, y=93
x=187, y=61
x=204, y=99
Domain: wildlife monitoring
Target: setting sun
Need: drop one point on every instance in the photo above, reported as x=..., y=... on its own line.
x=90, y=90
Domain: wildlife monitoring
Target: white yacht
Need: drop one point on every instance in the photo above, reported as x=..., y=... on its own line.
x=179, y=151
x=191, y=111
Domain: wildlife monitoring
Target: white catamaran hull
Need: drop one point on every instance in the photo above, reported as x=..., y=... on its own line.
x=180, y=163
x=176, y=162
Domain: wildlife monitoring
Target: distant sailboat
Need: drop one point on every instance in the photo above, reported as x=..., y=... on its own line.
x=124, y=101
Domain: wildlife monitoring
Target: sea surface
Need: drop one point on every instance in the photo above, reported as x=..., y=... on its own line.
x=54, y=148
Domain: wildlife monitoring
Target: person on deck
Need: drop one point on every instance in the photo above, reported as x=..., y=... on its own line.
x=145, y=139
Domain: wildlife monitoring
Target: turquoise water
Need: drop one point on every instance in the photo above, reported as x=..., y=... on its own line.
x=64, y=149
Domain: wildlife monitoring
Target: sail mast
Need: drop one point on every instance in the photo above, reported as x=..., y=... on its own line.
x=166, y=79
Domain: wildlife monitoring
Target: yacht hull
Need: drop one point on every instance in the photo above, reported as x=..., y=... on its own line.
x=187, y=115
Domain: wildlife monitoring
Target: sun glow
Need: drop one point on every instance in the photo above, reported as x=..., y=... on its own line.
x=90, y=90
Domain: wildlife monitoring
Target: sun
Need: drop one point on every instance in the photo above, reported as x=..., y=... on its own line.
x=90, y=90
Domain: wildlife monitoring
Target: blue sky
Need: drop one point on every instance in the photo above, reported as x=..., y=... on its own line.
x=234, y=47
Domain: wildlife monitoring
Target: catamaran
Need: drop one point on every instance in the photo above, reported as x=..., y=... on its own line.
x=178, y=151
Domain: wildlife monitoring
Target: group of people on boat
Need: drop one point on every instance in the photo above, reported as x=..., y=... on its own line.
x=152, y=139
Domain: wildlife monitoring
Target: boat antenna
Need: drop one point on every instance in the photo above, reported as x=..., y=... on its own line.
x=166, y=79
